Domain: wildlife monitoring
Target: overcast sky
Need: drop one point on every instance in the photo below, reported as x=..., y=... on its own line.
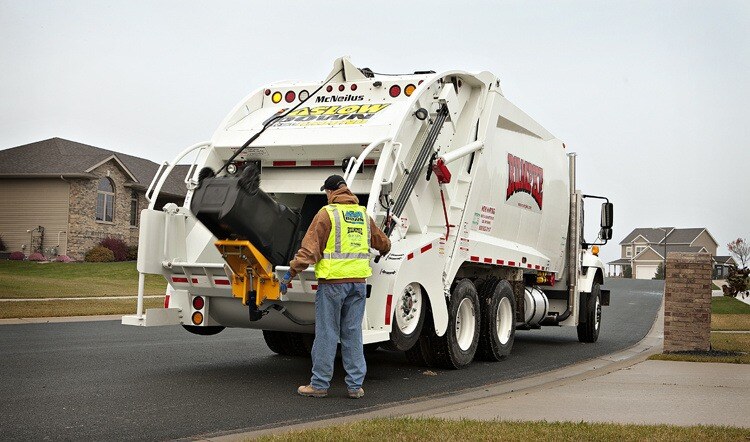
x=652, y=95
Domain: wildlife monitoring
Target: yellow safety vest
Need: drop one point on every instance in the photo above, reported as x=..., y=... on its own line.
x=347, y=252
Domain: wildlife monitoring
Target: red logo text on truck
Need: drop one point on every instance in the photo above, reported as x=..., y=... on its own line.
x=524, y=177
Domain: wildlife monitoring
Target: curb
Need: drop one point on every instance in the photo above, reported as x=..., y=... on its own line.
x=651, y=344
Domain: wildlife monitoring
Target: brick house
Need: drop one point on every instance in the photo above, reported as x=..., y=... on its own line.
x=645, y=248
x=62, y=197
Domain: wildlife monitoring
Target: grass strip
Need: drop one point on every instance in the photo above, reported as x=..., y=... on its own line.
x=420, y=429
x=23, y=279
x=722, y=347
x=40, y=309
x=728, y=305
x=736, y=322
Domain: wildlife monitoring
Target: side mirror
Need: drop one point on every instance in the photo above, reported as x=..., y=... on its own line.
x=605, y=234
x=607, y=217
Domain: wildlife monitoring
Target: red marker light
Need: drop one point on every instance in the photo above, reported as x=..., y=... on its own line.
x=395, y=90
x=199, y=303
x=289, y=97
x=329, y=88
x=341, y=88
x=268, y=92
x=354, y=87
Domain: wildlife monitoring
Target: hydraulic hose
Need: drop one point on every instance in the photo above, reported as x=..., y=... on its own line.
x=271, y=121
x=291, y=317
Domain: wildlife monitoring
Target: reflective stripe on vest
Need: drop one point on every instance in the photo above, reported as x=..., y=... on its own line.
x=341, y=259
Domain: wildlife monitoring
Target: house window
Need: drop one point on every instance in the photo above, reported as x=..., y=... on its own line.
x=628, y=252
x=133, y=208
x=639, y=249
x=105, y=201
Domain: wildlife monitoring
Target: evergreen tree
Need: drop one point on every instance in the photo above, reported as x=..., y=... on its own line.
x=660, y=271
x=627, y=272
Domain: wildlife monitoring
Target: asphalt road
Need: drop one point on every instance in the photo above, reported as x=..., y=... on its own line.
x=104, y=381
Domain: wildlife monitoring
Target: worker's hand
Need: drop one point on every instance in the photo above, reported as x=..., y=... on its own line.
x=283, y=283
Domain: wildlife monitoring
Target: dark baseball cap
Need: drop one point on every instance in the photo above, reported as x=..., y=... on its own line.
x=333, y=182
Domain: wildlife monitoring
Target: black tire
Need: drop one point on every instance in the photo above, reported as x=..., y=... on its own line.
x=497, y=301
x=445, y=350
x=371, y=348
x=420, y=354
x=403, y=341
x=204, y=331
x=288, y=343
x=299, y=344
x=275, y=342
x=388, y=345
x=588, y=331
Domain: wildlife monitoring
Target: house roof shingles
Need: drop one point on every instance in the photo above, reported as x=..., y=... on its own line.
x=683, y=236
x=656, y=236
x=651, y=235
x=57, y=156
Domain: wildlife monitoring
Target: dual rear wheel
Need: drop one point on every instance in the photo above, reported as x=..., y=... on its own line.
x=480, y=323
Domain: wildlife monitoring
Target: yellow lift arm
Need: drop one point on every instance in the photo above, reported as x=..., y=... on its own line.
x=253, y=280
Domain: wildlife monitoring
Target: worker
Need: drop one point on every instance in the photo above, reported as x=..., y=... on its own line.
x=338, y=243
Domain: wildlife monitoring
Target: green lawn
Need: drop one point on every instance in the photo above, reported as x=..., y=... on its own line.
x=728, y=305
x=410, y=429
x=729, y=314
x=739, y=343
x=23, y=279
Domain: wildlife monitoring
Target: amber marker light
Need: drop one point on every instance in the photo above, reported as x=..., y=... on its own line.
x=276, y=97
x=595, y=250
x=197, y=318
x=409, y=89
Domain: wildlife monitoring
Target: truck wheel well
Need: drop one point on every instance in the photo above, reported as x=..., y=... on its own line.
x=599, y=276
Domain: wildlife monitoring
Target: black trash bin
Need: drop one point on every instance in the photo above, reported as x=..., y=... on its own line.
x=236, y=208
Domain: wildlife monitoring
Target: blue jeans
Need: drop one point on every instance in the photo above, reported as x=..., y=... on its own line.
x=339, y=309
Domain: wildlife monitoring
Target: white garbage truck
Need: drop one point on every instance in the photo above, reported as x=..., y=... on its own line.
x=478, y=199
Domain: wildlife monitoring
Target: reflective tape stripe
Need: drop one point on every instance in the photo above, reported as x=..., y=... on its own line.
x=346, y=255
x=337, y=228
x=369, y=233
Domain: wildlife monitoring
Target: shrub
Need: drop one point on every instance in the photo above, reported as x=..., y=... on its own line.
x=627, y=272
x=64, y=258
x=36, y=256
x=17, y=256
x=132, y=253
x=736, y=281
x=99, y=254
x=117, y=246
x=2, y=244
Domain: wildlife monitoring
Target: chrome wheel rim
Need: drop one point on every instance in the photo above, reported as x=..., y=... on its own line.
x=409, y=308
x=504, y=320
x=465, y=324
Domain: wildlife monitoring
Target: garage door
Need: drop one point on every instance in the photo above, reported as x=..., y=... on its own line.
x=645, y=272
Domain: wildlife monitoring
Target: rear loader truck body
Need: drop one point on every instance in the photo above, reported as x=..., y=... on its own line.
x=478, y=199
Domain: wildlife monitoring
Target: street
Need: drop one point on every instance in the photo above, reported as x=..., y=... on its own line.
x=105, y=381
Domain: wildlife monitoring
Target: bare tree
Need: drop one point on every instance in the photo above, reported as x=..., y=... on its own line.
x=740, y=249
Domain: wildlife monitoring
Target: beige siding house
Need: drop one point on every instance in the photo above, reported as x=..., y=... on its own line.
x=645, y=248
x=59, y=197
x=28, y=204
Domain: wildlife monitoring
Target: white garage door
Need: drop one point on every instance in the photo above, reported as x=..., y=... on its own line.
x=645, y=272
